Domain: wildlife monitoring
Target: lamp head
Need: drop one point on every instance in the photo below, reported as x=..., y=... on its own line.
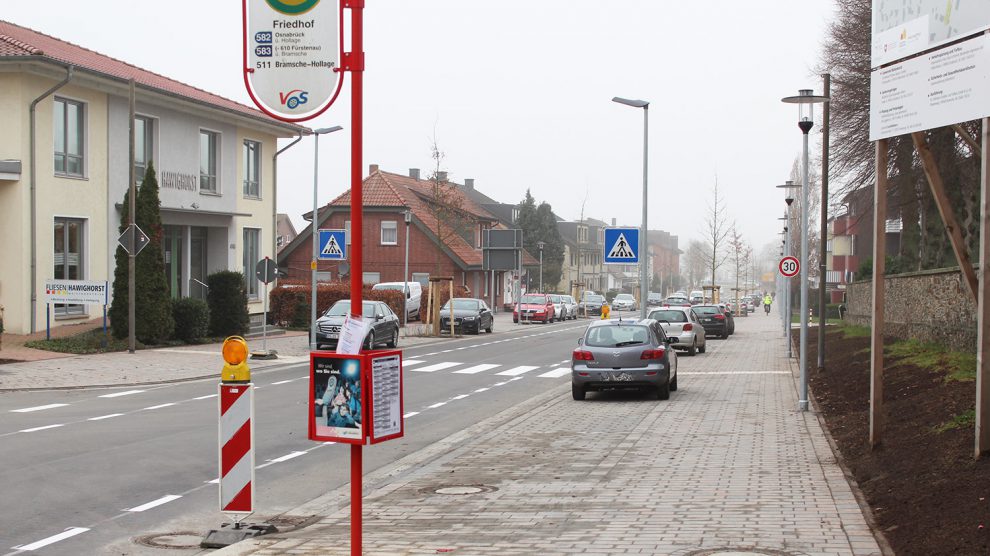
x=788, y=200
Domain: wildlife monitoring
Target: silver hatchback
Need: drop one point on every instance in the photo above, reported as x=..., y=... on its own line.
x=682, y=326
x=622, y=354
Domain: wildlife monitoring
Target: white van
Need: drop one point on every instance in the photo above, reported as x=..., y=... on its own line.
x=414, y=294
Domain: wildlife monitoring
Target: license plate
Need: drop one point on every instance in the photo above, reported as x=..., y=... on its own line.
x=332, y=335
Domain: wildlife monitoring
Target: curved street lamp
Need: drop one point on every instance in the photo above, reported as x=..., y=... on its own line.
x=644, y=286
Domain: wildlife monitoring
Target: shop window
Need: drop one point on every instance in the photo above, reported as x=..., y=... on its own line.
x=68, y=118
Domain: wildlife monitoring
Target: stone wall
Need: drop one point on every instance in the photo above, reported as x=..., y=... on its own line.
x=932, y=305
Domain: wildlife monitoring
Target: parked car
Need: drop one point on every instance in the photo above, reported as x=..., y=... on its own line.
x=471, y=316
x=713, y=319
x=674, y=301
x=625, y=302
x=559, y=311
x=414, y=293
x=615, y=354
x=654, y=299
x=697, y=297
x=383, y=324
x=570, y=306
x=592, y=304
x=535, y=307
x=682, y=326
x=730, y=318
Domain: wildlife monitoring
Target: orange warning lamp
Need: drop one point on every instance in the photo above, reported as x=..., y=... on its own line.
x=235, y=354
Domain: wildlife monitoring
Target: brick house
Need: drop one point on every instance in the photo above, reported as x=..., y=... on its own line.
x=386, y=198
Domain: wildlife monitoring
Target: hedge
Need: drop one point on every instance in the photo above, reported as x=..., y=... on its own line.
x=227, y=299
x=289, y=302
x=192, y=319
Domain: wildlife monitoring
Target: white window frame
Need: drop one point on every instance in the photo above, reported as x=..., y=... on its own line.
x=247, y=145
x=149, y=147
x=216, y=162
x=250, y=280
x=371, y=277
x=69, y=310
x=393, y=226
x=81, y=155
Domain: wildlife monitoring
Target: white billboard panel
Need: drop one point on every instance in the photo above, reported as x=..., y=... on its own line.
x=292, y=56
x=905, y=27
x=944, y=87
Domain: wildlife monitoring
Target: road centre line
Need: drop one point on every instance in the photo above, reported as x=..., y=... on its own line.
x=206, y=397
x=102, y=417
x=461, y=397
x=119, y=394
x=159, y=406
x=479, y=390
x=70, y=532
x=287, y=457
x=35, y=429
x=436, y=405
x=410, y=414
x=38, y=408
x=154, y=503
x=283, y=382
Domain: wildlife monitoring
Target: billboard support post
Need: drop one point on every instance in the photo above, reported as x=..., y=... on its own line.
x=982, y=441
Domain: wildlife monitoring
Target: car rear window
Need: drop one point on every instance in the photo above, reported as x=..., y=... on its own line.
x=706, y=310
x=617, y=336
x=669, y=316
x=534, y=299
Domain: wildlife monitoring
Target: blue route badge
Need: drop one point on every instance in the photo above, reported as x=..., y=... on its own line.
x=332, y=246
x=621, y=246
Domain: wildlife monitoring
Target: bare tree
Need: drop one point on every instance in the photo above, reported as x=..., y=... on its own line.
x=444, y=204
x=715, y=233
x=741, y=253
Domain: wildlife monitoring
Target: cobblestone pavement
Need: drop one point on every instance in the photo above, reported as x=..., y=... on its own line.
x=727, y=463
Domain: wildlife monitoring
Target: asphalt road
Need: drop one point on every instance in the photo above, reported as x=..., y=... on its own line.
x=91, y=471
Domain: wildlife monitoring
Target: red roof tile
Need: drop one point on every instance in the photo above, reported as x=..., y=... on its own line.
x=20, y=41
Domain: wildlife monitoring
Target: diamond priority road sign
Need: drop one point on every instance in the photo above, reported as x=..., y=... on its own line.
x=133, y=240
x=621, y=246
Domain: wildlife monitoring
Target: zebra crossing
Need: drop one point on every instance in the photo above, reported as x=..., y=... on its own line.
x=555, y=370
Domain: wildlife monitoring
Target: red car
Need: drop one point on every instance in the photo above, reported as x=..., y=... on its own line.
x=535, y=307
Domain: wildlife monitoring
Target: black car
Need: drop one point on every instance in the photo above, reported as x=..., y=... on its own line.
x=383, y=324
x=713, y=319
x=470, y=316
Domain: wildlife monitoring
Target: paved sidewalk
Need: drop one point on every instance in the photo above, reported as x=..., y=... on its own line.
x=727, y=463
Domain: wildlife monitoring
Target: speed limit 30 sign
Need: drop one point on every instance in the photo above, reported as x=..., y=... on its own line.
x=789, y=267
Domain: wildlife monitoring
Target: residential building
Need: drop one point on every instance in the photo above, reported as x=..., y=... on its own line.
x=285, y=232
x=583, y=266
x=65, y=147
x=445, y=233
x=850, y=240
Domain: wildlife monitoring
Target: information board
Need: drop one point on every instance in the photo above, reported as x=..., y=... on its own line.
x=902, y=28
x=386, y=397
x=77, y=292
x=337, y=393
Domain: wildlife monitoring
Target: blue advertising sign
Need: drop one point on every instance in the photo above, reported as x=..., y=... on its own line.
x=332, y=245
x=621, y=246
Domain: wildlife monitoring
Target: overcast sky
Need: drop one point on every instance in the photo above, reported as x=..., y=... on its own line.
x=518, y=94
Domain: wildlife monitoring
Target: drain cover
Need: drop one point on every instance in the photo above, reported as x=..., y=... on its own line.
x=181, y=539
x=459, y=490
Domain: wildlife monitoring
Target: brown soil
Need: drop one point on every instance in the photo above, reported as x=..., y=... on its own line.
x=928, y=495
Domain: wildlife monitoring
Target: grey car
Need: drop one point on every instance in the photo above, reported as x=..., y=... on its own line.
x=559, y=309
x=623, y=354
x=625, y=302
x=383, y=324
x=570, y=306
x=682, y=326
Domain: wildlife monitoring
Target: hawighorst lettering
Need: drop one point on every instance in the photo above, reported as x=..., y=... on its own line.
x=178, y=180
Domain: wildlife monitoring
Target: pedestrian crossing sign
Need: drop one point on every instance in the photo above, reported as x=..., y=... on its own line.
x=621, y=246
x=332, y=246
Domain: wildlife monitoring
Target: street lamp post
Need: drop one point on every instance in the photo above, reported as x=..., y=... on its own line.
x=315, y=224
x=806, y=101
x=405, y=271
x=541, y=245
x=789, y=199
x=643, y=283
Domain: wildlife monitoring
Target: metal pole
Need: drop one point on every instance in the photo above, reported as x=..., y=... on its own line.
x=131, y=262
x=541, y=270
x=405, y=277
x=823, y=251
x=316, y=244
x=803, y=400
x=643, y=242
x=264, y=325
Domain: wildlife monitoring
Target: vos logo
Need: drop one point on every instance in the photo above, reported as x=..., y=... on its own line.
x=292, y=7
x=293, y=98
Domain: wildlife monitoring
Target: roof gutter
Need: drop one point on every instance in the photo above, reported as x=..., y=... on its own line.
x=34, y=197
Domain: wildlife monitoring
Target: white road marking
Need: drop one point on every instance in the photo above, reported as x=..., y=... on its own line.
x=516, y=371
x=38, y=408
x=159, y=406
x=282, y=382
x=213, y=482
x=119, y=394
x=410, y=414
x=501, y=383
x=287, y=457
x=436, y=405
x=477, y=369
x=479, y=390
x=556, y=373
x=461, y=397
x=264, y=465
x=206, y=397
x=70, y=532
x=436, y=367
x=154, y=503
x=43, y=428
x=102, y=417
x=411, y=362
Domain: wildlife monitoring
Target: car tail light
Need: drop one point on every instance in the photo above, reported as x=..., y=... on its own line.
x=582, y=355
x=688, y=327
x=719, y=317
x=652, y=354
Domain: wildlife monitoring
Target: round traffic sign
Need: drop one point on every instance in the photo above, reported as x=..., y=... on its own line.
x=789, y=267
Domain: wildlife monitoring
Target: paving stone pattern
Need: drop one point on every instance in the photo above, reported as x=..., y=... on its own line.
x=727, y=462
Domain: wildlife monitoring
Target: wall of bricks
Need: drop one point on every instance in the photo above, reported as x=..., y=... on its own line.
x=930, y=306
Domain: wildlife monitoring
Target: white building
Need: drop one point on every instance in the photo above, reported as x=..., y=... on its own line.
x=64, y=172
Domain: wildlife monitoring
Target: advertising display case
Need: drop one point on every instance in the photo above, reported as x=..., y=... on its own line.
x=355, y=399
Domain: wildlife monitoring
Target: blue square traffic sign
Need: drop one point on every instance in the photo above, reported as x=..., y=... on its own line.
x=621, y=246
x=333, y=246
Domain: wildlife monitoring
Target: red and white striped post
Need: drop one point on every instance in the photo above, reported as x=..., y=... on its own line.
x=236, y=432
